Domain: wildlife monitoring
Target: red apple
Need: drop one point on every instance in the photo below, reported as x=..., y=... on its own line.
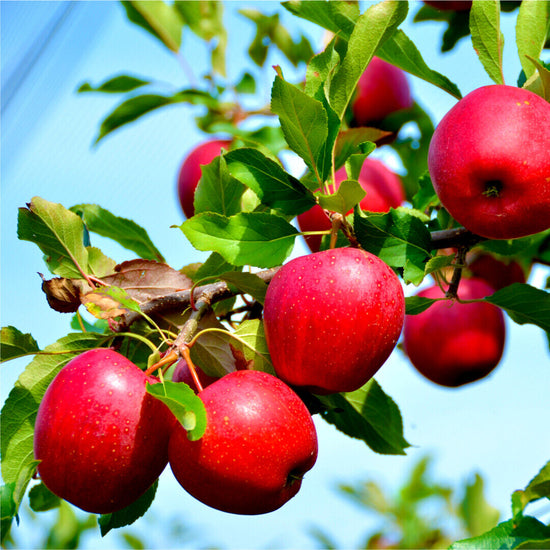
x=489, y=160
x=332, y=318
x=452, y=343
x=259, y=442
x=382, y=90
x=499, y=273
x=384, y=190
x=100, y=438
x=183, y=374
x=450, y=5
x=190, y=171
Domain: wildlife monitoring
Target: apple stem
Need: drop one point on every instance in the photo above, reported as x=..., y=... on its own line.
x=337, y=223
x=460, y=262
x=170, y=358
x=185, y=352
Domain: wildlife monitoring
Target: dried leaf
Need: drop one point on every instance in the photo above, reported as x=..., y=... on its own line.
x=64, y=295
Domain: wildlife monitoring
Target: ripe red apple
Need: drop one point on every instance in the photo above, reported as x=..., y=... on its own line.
x=384, y=190
x=183, y=374
x=382, y=90
x=190, y=171
x=100, y=438
x=489, y=160
x=451, y=343
x=496, y=272
x=450, y=5
x=259, y=442
x=332, y=318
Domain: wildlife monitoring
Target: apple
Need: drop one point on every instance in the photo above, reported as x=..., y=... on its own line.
x=384, y=190
x=453, y=343
x=499, y=273
x=100, y=438
x=382, y=90
x=259, y=442
x=450, y=5
x=489, y=161
x=183, y=374
x=332, y=318
x=190, y=171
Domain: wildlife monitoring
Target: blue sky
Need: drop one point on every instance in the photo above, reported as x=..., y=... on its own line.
x=497, y=426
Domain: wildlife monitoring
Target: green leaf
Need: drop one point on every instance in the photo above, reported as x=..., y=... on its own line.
x=19, y=411
x=532, y=26
x=118, y=84
x=417, y=304
x=246, y=85
x=42, y=499
x=304, y=121
x=372, y=29
x=125, y=232
x=13, y=343
x=368, y=414
x=523, y=532
x=539, y=83
x=252, y=333
x=275, y=187
x=320, y=68
x=214, y=265
x=537, y=488
x=337, y=17
x=8, y=509
x=478, y=515
x=399, y=238
x=218, y=191
x=59, y=233
x=128, y=515
x=524, y=304
x=355, y=140
x=400, y=50
x=186, y=406
x=160, y=19
x=248, y=283
x=249, y=238
x=135, y=107
x=426, y=195
x=438, y=262
x=487, y=39
x=349, y=194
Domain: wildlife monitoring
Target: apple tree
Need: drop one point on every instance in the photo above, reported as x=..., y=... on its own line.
x=204, y=365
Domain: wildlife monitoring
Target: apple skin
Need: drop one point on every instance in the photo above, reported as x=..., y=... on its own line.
x=496, y=272
x=259, y=441
x=382, y=90
x=451, y=343
x=101, y=439
x=489, y=161
x=190, y=172
x=384, y=191
x=183, y=374
x=332, y=318
x=450, y=5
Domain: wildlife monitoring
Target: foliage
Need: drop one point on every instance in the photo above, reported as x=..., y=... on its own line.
x=245, y=204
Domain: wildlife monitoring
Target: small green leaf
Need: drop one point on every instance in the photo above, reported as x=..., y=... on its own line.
x=115, y=85
x=478, y=515
x=251, y=333
x=246, y=85
x=417, y=304
x=349, y=194
x=400, y=50
x=249, y=238
x=524, y=304
x=487, y=39
x=160, y=19
x=275, y=187
x=371, y=30
x=218, y=191
x=355, y=140
x=8, y=509
x=128, y=515
x=42, y=499
x=368, y=414
x=426, y=196
x=320, y=68
x=399, y=238
x=214, y=265
x=532, y=26
x=539, y=83
x=523, y=532
x=537, y=488
x=13, y=343
x=186, y=406
x=59, y=233
x=248, y=283
x=438, y=262
x=125, y=232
